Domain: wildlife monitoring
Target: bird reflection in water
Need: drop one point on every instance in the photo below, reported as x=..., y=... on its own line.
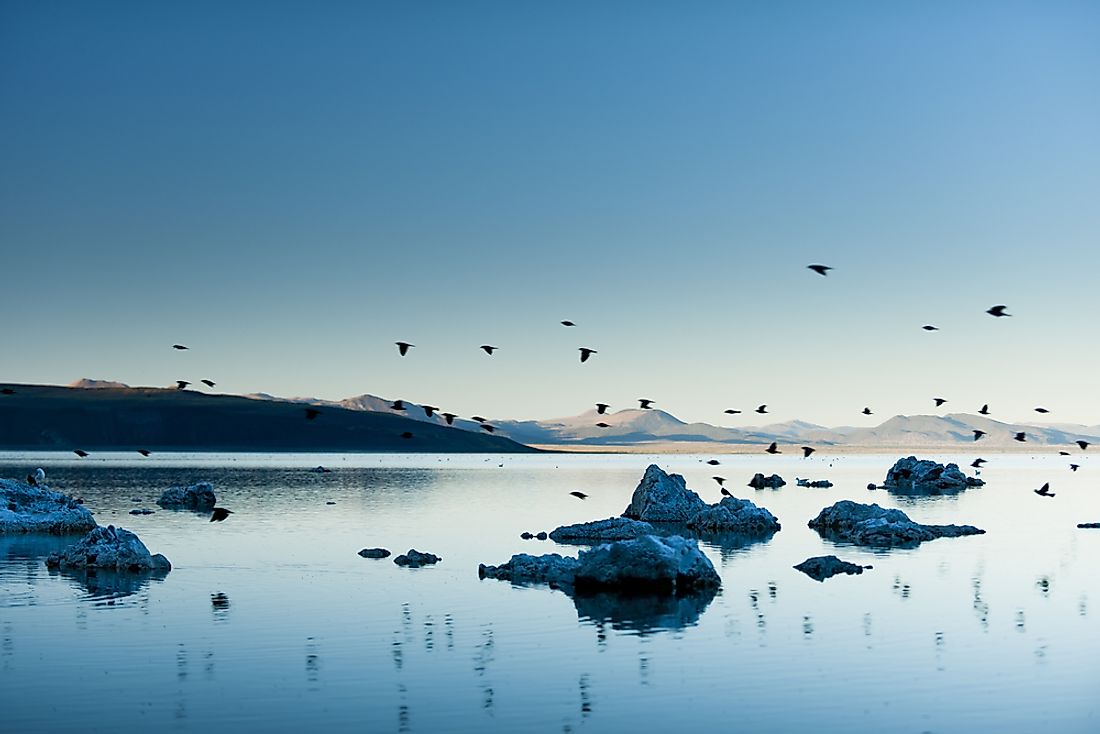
x=403, y=724
x=1021, y=625
x=313, y=665
x=586, y=699
x=219, y=605
x=429, y=634
x=1083, y=606
x=1043, y=584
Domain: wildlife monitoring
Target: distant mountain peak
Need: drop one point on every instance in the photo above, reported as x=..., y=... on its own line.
x=90, y=384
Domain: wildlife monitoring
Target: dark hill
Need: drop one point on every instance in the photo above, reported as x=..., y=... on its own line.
x=65, y=418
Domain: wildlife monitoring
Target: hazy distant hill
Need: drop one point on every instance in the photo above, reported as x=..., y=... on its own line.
x=66, y=418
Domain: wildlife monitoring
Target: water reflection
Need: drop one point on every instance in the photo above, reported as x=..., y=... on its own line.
x=219, y=605
x=103, y=584
x=642, y=613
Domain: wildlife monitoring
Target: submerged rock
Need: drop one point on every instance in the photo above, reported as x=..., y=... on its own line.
x=374, y=553
x=820, y=568
x=38, y=509
x=111, y=548
x=759, y=481
x=415, y=559
x=816, y=484
x=602, y=531
x=923, y=476
x=860, y=524
x=198, y=496
x=737, y=515
x=662, y=497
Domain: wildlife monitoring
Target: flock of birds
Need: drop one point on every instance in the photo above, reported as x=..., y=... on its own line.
x=403, y=348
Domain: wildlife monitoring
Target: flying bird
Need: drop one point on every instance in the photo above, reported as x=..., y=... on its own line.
x=1083, y=444
x=731, y=411
x=181, y=384
x=929, y=327
x=866, y=411
x=208, y=383
x=398, y=405
x=579, y=495
x=144, y=452
x=984, y=410
x=645, y=403
x=772, y=449
x=603, y=425
x=762, y=409
x=998, y=311
x=601, y=408
x=178, y=346
x=219, y=514
x=1044, y=491
x=806, y=451
x=720, y=480
x=714, y=462
x=1063, y=453
x=312, y=413
x=978, y=434
x=977, y=463
x=450, y=418
x=1021, y=436
x=407, y=435
x=81, y=453
x=1074, y=467
x=586, y=353
x=820, y=269
x=487, y=427
x=567, y=323
x=429, y=410
x=489, y=349
x=403, y=348
x=726, y=492
x=479, y=419
x=1041, y=410
x=939, y=401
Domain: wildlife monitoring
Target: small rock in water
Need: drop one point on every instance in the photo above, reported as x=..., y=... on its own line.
x=142, y=511
x=192, y=497
x=526, y=536
x=1089, y=525
x=374, y=553
x=872, y=485
x=820, y=568
x=414, y=559
x=759, y=481
x=852, y=522
x=330, y=502
x=542, y=535
x=112, y=548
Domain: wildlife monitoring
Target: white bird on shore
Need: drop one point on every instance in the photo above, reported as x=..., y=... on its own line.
x=40, y=475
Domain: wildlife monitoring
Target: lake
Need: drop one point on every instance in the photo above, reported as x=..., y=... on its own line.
x=270, y=621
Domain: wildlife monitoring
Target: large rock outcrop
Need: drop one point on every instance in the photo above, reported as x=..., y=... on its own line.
x=109, y=548
x=602, y=531
x=924, y=476
x=820, y=568
x=28, y=509
x=647, y=564
x=734, y=515
x=662, y=497
x=198, y=496
x=860, y=524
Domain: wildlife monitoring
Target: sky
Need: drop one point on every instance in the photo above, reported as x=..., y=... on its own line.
x=290, y=188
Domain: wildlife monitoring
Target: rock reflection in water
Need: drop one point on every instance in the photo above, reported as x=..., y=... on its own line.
x=107, y=584
x=642, y=612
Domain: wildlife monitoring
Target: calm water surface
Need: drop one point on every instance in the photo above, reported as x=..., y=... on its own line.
x=270, y=621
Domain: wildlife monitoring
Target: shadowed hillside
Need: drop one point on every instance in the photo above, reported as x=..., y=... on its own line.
x=65, y=418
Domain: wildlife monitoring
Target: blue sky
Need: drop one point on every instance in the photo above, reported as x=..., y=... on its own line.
x=290, y=189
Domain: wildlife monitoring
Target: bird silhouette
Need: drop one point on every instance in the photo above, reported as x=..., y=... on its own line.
x=178, y=346
x=312, y=413
x=7, y=391
x=929, y=327
x=479, y=419
x=1063, y=453
x=820, y=269
x=772, y=449
x=939, y=401
x=998, y=311
x=978, y=434
x=806, y=451
x=429, y=410
x=720, y=480
x=731, y=411
x=645, y=403
x=219, y=514
x=601, y=408
x=1083, y=444
x=762, y=409
x=181, y=384
x=1041, y=410
x=488, y=349
x=1074, y=467
x=144, y=452
x=984, y=410
x=726, y=492
x=603, y=425
x=407, y=435
x=80, y=452
x=31, y=480
x=866, y=411
x=208, y=383
x=586, y=353
x=403, y=348
x=1021, y=436
x=450, y=418
x=1044, y=491
x=579, y=495
x=567, y=323
x=977, y=463
x=398, y=405
x=714, y=462
x=487, y=427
